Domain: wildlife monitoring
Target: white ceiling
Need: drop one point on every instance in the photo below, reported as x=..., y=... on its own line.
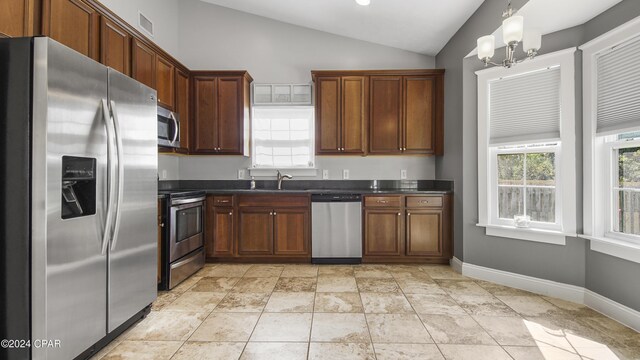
x=550, y=16
x=422, y=26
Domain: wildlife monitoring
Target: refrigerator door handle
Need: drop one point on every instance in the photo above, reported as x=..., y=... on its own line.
x=120, y=152
x=110, y=176
x=176, y=128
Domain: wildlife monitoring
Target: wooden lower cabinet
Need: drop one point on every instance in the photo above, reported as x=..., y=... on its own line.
x=290, y=231
x=223, y=231
x=407, y=228
x=255, y=236
x=383, y=232
x=424, y=232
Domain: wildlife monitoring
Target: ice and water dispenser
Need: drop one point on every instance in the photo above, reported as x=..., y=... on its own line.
x=78, y=187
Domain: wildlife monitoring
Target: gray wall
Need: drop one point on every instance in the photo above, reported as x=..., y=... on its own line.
x=214, y=37
x=572, y=264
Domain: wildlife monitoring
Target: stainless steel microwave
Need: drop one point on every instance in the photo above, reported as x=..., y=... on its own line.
x=168, y=128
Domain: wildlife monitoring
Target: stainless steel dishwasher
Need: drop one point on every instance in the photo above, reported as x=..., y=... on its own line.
x=336, y=235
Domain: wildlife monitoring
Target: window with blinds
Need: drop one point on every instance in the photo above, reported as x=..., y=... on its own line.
x=283, y=137
x=618, y=88
x=525, y=107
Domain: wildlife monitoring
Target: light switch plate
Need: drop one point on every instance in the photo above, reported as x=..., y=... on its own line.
x=240, y=173
x=164, y=175
x=345, y=174
x=325, y=174
x=403, y=174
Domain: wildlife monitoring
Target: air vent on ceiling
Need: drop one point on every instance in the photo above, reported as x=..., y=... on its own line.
x=282, y=94
x=145, y=24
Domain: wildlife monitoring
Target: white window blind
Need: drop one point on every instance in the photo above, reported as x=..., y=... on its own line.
x=525, y=107
x=618, y=88
x=283, y=137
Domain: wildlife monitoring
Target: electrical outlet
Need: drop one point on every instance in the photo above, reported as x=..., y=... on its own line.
x=325, y=174
x=240, y=173
x=345, y=174
x=403, y=174
x=164, y=175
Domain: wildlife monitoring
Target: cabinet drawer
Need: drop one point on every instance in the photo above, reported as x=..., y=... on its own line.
x=424, y=201
x=274, y=200
x=382, y=201
x=223, y=200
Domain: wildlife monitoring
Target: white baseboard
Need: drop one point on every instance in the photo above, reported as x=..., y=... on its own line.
x=577, y=294
x=456, y=264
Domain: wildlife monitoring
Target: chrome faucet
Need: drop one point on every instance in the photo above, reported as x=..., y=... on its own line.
x=282, y=177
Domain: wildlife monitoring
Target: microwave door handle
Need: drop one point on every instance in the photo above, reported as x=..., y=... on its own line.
x=110, y=176
x=176, y=128
x=120, y=190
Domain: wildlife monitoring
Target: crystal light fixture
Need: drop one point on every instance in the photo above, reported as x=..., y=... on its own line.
x=512, y=34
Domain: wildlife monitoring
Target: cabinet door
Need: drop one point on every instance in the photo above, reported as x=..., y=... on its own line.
x=205, y=118
x=255, y=236
x=223, y=226
x=182, y=106
x=15, y=18
x=328, y=125
x=230, y=115
x=419, y=115
x=143, y=64
x=115, y=46
x=74, y=24
x=383, y=232
x=291, y=231
x=165, y=82
x=424, y=232
x=354, y=114
x=385, y=129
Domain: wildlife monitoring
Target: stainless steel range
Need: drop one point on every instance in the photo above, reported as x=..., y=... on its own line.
x=183, y=250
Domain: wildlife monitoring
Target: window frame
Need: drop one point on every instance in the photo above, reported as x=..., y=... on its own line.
x=596, y=157
x=302, y=170
x=565, y=155
x=526, y=149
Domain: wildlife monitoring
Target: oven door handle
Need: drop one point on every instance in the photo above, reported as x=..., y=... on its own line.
x=187, y=201
x=120, y=152
x=176, y=125
x=110, y=176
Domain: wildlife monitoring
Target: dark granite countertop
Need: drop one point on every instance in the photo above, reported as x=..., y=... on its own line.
x=364, y=187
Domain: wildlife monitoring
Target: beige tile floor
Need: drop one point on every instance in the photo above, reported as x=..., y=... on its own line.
x=380, y=312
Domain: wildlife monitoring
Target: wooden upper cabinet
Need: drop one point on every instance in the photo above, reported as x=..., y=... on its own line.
x=230, y=115
x=424, y=232
x=291, y=231
x=419, y=115
x=165, y=82
x=328, y=122
x=341, y=113
x=354, y=114
x=205, y=136
x=385, y=124
x=73, y=23
x=115, y=46
x=182, y=107
x=16, y=17
x=143, y=63
x=221, y=113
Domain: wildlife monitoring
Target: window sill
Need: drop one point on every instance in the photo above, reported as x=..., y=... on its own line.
x=619, y=248
x=295, y=172
x=528, y=234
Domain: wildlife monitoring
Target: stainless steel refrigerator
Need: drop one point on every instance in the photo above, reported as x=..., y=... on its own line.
x=79, y=189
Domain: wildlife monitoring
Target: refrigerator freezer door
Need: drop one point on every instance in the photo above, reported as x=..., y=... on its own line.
x=133, y=250
x=69, y=151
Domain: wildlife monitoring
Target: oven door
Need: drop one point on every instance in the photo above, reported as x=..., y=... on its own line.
x=168, y=128
x=187, y=227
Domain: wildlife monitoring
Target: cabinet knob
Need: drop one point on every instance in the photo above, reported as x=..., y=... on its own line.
x=161, y=224
x=399, y=214
x=382, y=201
x=275, y=213
x=271, y=213
x=408, y=214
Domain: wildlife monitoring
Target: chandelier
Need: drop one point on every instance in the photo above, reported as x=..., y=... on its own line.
x=512, y=34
